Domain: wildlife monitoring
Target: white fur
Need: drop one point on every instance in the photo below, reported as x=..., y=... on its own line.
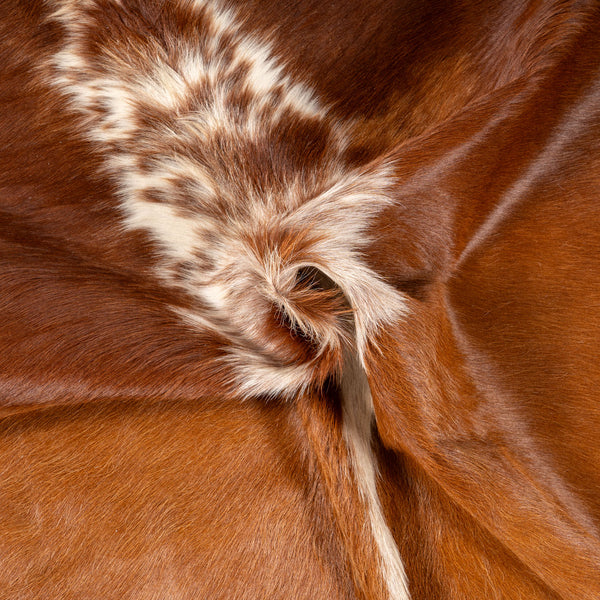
x=358, y=417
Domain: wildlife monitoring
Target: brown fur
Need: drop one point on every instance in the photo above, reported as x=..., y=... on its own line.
x=132, y=464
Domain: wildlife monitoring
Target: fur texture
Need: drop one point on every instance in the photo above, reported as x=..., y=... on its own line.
x=291, y=290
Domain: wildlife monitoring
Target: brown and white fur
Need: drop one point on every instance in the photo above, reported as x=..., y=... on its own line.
x=232, y=233
x=238, y=172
